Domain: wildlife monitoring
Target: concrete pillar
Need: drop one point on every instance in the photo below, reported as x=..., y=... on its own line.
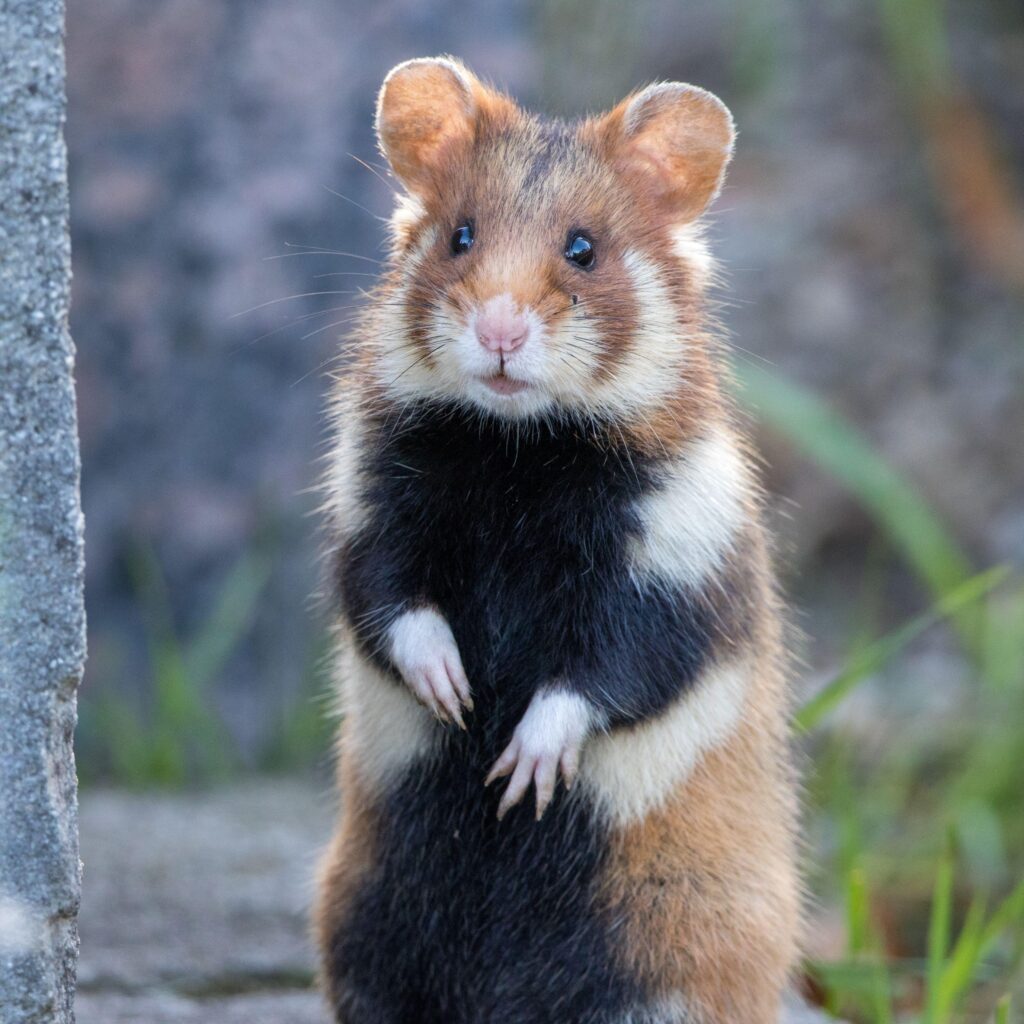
x=42, y=619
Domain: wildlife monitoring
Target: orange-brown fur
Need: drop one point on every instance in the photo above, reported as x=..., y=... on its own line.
x=350, y=855
x=706, y=886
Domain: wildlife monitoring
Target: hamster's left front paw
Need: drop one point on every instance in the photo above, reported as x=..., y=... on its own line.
x=547, y=740
x=427, y=657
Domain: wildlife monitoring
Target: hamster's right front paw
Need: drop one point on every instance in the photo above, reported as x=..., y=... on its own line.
x=425, y=653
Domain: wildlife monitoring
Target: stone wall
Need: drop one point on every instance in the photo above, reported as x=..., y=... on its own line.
x=42, y=619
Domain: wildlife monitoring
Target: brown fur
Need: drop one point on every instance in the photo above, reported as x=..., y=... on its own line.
x=675, y=138
x=706, y=887
x=350, y=855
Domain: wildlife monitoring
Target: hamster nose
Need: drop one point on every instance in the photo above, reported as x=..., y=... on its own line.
x=500, y=326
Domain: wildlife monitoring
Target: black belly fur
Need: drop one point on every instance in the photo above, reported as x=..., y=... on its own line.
x=468, y=920
x=521, y=543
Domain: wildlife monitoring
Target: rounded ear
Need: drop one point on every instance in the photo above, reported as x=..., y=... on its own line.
x=426, y=108
x=673, y=141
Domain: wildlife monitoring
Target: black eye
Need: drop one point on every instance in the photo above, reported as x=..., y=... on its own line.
x=580, y=251
x=462, y=240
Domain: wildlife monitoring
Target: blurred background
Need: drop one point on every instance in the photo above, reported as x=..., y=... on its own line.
x=872, y=232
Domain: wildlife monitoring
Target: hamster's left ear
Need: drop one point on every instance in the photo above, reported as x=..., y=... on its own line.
x=427, y=114
x=674, y=141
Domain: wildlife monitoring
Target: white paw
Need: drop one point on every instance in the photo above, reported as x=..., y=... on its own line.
x=546, y=741
x=425, y=653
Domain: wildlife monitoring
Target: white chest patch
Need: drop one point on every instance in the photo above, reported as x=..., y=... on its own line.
x=690, y=522
x=632, y=771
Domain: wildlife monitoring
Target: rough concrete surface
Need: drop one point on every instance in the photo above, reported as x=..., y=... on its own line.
x=42, y=642
x=195, y=907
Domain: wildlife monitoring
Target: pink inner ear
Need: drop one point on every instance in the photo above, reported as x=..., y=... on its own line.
x=661, y=162
x=684, y=171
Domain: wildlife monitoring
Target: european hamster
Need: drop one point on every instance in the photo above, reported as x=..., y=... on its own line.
x=565, y=785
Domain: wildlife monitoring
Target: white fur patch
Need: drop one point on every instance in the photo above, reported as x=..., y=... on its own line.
x=400, y=367
x=692, y=249
x=386, y=727
x=343, y=505
x=554, y=720
x=415, y=633
x=631, y=771
x=689, y=523
x=652, y=367
x=408, y=213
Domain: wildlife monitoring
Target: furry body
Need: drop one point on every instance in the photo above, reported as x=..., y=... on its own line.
x=603, y=579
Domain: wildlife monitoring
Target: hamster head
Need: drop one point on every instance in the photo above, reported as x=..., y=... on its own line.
x=541, y=268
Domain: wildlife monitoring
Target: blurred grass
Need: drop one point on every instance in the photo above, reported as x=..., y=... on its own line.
x=873, y=657
x=179, y=738
x=175, y=735
x=823, y=435
x=879, y=806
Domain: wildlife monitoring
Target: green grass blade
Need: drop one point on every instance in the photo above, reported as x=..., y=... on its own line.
x=857, y=913
x=226, y=624
x=961, y=968
x=938, y=936
x=1003, y=1010
x=873, y=657
x=1009, y=912
x=184, y=731
x=837, y=446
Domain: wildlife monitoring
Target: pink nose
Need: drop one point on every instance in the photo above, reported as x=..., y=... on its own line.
x=500, y=326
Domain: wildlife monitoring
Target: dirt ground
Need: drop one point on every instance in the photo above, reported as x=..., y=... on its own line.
x=195, y=906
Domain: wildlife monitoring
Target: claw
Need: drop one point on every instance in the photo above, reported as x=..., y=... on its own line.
x=546, y=742
x=426, y=654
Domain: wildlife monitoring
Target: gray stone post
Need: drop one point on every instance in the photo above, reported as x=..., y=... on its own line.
x=42, y=619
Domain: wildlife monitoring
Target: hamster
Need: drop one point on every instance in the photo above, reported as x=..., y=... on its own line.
x=566, y=791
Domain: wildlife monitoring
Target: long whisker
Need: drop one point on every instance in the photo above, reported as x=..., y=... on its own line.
x=314, y=250
x=284, y=298
x=375, y=172
x=359, y=206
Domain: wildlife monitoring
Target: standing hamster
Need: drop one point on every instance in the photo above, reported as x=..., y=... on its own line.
x=565, y=785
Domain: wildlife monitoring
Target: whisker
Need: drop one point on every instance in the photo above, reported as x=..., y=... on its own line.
x=313, y=250
x=327, y=327
x=284, y=298
x=359, y=206
x=342, y=273
x=375, y=172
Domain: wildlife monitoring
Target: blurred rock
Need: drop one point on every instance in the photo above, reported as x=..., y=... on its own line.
x=197, y=892
x=260, y=1008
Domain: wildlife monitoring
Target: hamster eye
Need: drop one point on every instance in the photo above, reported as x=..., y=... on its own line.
x=462, y=240
x=580, y=250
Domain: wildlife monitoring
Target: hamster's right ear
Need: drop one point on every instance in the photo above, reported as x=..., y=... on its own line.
x=426, y=110
x=673, y=141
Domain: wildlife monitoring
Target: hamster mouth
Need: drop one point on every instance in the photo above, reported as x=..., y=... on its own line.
x=502, y=384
